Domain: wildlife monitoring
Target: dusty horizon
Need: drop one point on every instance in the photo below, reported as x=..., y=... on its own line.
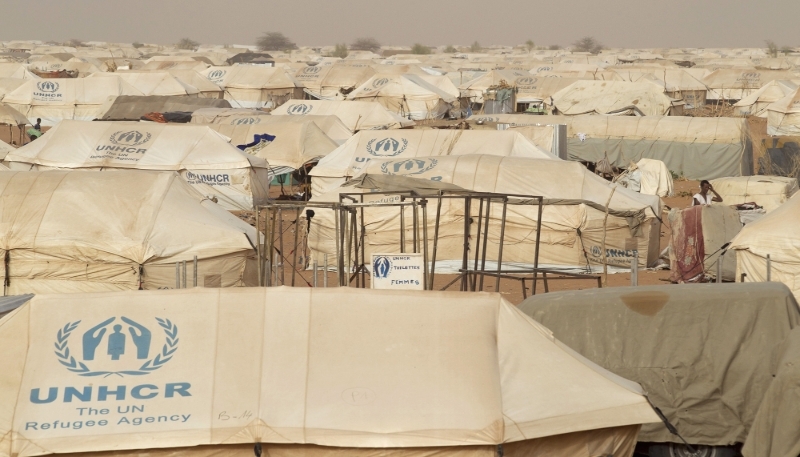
x=614, y=23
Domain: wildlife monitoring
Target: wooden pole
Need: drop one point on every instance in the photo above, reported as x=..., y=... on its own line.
x=605, y=227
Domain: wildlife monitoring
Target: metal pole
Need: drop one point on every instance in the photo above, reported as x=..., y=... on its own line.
x=402, y=230
x=719, y=267
x=436, y=239
x=502, y=239
x=259, y=253
x=314, y=267
x=280, y=243
x=294, y=250
x=363, y=242
x=538, y=239
x=184, y=273
x=485, y=241
x=465, y=256
x=415, y=225
x=478, y=241
x=177, y=275
x=635, y=269
x=769, y=269
x=424, y=204
x=194, y=279
x=339, y=260
x=325, y=271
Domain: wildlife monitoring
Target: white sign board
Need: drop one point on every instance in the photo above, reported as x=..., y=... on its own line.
x=398, y=271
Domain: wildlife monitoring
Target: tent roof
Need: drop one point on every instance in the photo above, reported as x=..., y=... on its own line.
x=295, y=143
x=612, y=97
x=356, y=115
x=10, y=116
x=316, y=366
x=139, y=145
x=152, y=82
x=134, y=215
x=132, y=108
x=351, y=158
x=775, y=234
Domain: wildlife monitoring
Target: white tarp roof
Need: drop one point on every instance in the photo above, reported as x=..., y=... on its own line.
x=612, y=97
x=140, y=145
x=81, y=231
x=152, y=82
x=356, y=115
x=331, y=367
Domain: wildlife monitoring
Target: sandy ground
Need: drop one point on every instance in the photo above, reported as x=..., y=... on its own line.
x=512, y=289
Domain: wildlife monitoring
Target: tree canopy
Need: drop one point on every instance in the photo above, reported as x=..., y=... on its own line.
x=275, y=41
x=187, y=43
x=366, y=44
x=587, y=44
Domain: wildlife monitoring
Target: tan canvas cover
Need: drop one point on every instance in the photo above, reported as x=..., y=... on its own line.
x=205, y=88
x=10, y=116
x=223, y=115
x=769, y=192
x=152, y=82
x=254, y=86
x=356, y=115
x=326, y=82
x=697, y=239
x=297, y=366
x=161, y=65
x=331, y=125
x=15, y=70
x=775, y=234
x=295, y=143
x=204, y=158
x=612, y=97
x=77, y=231
x=133, y=107
x=350, y=159
x=783, y=116
x=656, y=178
x=411, y=96
x=774, y=432
x=704, y=353
x=55, y=99
x=572, y=222
x=757, y=102
x=736, y=84
x=530, y=88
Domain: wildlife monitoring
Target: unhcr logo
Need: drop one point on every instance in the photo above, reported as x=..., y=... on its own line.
x=245, y=121
x=526, y=81
x=311, y=70
x=382, y=267
x=130, y=138
x=540, y=69
x=299, y=109
x=216, y=74
x=47, y=86
x=387, y=147
x=380, y=82
x=408, y=166
x=119, y=352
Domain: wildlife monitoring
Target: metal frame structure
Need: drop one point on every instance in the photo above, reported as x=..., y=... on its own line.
x=351, y=233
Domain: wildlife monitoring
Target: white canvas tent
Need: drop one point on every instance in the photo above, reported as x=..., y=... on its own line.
x=572, y=226
x=756, y=103
x=77, y=231
x=55, y=99
x=203, y=157
x=775, y=235
x=411, y=96
x=736, y=84
x=351, y=158
x=331, y=125
x=356, y=115
x=253, y=86
x=152, y=82
x=304, y=372
x=612, y=97
x=327, y=82
x=295, y=143
x=783, y=116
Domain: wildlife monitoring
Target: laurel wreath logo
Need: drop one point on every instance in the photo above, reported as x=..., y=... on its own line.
x=167, y=351
x=377, y=153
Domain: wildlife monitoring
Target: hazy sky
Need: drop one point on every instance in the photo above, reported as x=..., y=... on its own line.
x=615, y=23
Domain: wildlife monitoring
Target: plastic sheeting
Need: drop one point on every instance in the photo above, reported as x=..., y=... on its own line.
x=704, y=353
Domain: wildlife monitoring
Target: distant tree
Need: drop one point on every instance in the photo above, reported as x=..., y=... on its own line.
x=420, y=49
x=275, y=41
x=787, y=49
x=187, y=43
x=137, y=45
x=772, y=48
x=75, y=43
x=450, y=49
x=476, y=47
x=366, y=44
x=530, y=45
x=554, y=47
x=340, y=51
x=587, y=44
